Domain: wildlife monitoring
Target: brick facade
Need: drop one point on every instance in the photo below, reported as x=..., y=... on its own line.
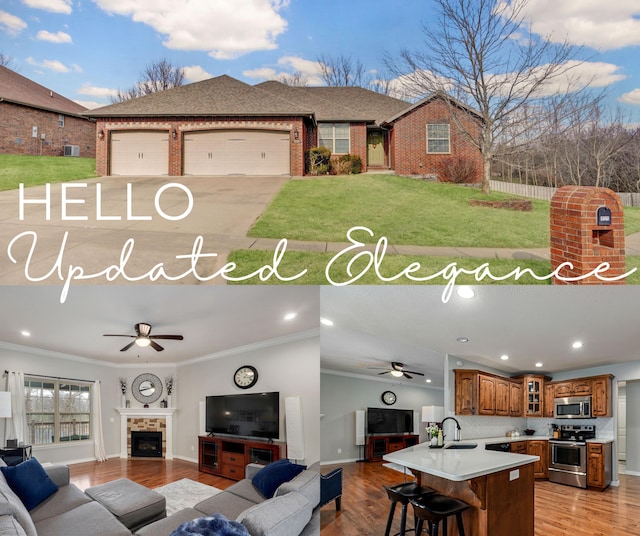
x=147, y=424
x=408, y=141
x=575, y=236
x=182, y=125
x=17, y=129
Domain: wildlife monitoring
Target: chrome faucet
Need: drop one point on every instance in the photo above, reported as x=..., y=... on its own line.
x=456, y=431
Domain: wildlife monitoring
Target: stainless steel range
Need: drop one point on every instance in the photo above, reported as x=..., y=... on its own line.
x=568, y=461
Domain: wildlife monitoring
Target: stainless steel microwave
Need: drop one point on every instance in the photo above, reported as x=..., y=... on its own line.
x=573, y=407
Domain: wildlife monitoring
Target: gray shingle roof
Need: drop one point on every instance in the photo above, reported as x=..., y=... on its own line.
x=18, y=89
x=217, y=96
x=429, y=98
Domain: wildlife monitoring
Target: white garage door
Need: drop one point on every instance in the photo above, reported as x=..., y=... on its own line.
x=236, y=152
x=139, y=153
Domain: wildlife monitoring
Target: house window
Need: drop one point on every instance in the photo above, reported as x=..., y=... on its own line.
x=58, y=411
x=335, y=136
x=61, y=120
x=438, y=138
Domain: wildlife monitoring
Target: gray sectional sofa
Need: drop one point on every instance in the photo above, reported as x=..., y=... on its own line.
x=293, y=511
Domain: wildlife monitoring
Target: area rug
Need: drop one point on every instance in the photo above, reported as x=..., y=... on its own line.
x=399, y=468
x=185, y=493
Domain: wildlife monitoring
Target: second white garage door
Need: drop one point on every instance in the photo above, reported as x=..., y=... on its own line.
x=236, y=152
x=139, y=153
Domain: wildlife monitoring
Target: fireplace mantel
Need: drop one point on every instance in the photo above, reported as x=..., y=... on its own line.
x=160, y=413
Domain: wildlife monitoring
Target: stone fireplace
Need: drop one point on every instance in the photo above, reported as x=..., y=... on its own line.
x=146, y=444
x=155, y=420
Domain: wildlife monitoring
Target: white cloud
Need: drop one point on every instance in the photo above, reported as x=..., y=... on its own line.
x=56, y=6
x=225, y=29
x=631, y=97
x=195, y=73
x=289, y=65
x=594, y=23
x=76, y=67
x=89, y=104
x=58, y=37
x=52, y=65
x=261, y=73
x=11, y=24
x=99, y=92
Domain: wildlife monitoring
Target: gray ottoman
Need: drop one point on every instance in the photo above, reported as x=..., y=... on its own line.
x=132, y=504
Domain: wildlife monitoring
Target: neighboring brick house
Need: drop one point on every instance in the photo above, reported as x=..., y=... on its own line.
x=223, y=126
x=37, y=121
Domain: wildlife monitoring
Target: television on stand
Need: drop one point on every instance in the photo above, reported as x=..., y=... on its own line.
x=389, y=421
x=249, y=415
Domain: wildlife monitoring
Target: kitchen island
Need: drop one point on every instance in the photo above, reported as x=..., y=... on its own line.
x=497, y=485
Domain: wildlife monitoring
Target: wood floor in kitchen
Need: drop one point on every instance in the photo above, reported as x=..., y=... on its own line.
x=559, y=510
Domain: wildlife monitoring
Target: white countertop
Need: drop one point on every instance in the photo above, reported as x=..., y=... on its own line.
x=460, y=464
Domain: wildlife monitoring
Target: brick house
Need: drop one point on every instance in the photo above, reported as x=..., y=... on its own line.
x=223, y=126
x=38, y=121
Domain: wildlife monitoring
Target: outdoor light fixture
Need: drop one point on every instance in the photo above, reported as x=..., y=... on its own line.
x=296, y=134
x=174, y=133
x=101, y=134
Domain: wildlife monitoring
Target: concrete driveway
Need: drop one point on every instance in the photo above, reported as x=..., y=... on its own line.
x=162, y=215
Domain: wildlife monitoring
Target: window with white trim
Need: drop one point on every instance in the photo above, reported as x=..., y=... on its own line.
x=61, y=120
x=335, y=136
x=58, y=411
x=438, y=138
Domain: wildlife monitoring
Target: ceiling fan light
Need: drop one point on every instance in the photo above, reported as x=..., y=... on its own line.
x=143, y=341
x=396, y=373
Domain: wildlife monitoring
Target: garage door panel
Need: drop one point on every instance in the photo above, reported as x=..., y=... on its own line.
x=139, y=153
x=241, y=152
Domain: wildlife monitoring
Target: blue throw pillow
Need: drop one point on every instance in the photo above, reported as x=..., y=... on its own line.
x=30, y=482
x=271, y=476
x=216, y=525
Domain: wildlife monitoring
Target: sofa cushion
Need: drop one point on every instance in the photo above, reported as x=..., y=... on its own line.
x=67, y=498
x=13, y=503
x=286, y=515
x=271, y=476
x=246, y=490
x=166, y=526
x=90, y=518
x=306, y=484
x=9, y=526
x=227, y=503
x=30, y=482
x=216, y=525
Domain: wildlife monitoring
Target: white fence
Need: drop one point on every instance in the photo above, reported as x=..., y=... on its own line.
x=546, y=192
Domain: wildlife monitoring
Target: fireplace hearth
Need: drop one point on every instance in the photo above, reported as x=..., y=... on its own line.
x=146, y=444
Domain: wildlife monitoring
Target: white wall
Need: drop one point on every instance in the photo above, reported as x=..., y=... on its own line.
x=341, y=396
x=292, y=368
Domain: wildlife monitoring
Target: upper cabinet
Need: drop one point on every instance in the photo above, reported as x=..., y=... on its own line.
x=534, y=391
x=580, y=387
x=482, y=393
x=466, y=390
x=601, y=396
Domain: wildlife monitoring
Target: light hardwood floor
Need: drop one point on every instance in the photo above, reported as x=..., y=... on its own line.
x=559, y=510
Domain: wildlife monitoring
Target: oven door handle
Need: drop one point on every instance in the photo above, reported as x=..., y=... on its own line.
x=567, y=443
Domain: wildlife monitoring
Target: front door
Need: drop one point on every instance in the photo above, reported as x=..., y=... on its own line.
x=375, y=148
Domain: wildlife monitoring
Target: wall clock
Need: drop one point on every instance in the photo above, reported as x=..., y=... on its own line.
x=389, y=398
x=246, y=376
x=146, y=388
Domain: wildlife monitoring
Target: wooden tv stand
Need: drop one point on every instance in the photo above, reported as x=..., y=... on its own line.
x=379, y=445
x=228, y=456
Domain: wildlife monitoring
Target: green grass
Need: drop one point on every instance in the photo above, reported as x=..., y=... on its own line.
x=406, y=211
x=36, y=170
x=294, y=262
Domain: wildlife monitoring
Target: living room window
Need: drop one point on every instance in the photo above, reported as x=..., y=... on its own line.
x=438, y=138
x=334, y=136
x=58, y=411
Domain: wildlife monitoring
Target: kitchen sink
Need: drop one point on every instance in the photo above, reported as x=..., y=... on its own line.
x=461, y=446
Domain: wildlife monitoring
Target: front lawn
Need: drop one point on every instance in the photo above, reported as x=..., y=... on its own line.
x=406, y=211
x=36, y=170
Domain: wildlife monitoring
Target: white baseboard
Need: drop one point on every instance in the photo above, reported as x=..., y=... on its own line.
x=615, y=483
x=351, y=460
x=632, y=473
x=186, y=459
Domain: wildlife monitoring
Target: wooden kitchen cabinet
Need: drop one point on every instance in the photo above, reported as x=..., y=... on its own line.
x=466, y=391
x=487, y=395
x=515, y=398
x=579, y=387
x=549, y=398
x=533, y=386
x=598, y=465
x=503, y=393
x=601, y=396
x=518, y=447
x=539, y=447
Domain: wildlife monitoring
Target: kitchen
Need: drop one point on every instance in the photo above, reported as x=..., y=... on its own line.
x=510, y=321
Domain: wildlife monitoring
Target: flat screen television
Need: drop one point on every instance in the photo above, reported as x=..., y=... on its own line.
x=389, y=421
x=245, y=415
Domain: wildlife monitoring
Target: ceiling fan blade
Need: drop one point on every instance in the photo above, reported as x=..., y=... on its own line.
x=414, y=372
x=407, y=376
x=171, y=337
x=128, y=346
x=385, y=372
x=155, y=346
x=117, y=335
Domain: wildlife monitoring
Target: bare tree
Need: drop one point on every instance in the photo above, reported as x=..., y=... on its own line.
x=482, y=53
x=157, y=76
x=296, y=79
x=7, y=61
x=342, y=70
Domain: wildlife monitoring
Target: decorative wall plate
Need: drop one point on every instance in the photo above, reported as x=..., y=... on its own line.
x=146, y=388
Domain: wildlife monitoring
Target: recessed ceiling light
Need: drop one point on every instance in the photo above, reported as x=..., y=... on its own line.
x=290, y=316
x=428, y=380
x=504, y=357
x=465, y=292
x=25, y=333
x=462, y=339
x=326, y=322
x=538, y=365
x=577, y=344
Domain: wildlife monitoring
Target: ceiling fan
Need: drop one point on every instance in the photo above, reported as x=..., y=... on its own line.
x=144, y=338
x=397, y=370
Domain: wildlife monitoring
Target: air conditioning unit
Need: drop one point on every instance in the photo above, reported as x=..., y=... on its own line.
x=72, y=150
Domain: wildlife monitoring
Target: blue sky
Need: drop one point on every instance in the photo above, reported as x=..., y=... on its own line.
x=88, y=49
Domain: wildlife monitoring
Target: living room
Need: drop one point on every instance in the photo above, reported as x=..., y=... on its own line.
x=202, y=342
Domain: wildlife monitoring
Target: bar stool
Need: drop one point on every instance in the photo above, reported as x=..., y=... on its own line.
x=434, y=508
x=403, y=493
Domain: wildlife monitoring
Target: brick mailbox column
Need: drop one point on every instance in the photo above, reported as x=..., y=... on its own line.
x=587, y=229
